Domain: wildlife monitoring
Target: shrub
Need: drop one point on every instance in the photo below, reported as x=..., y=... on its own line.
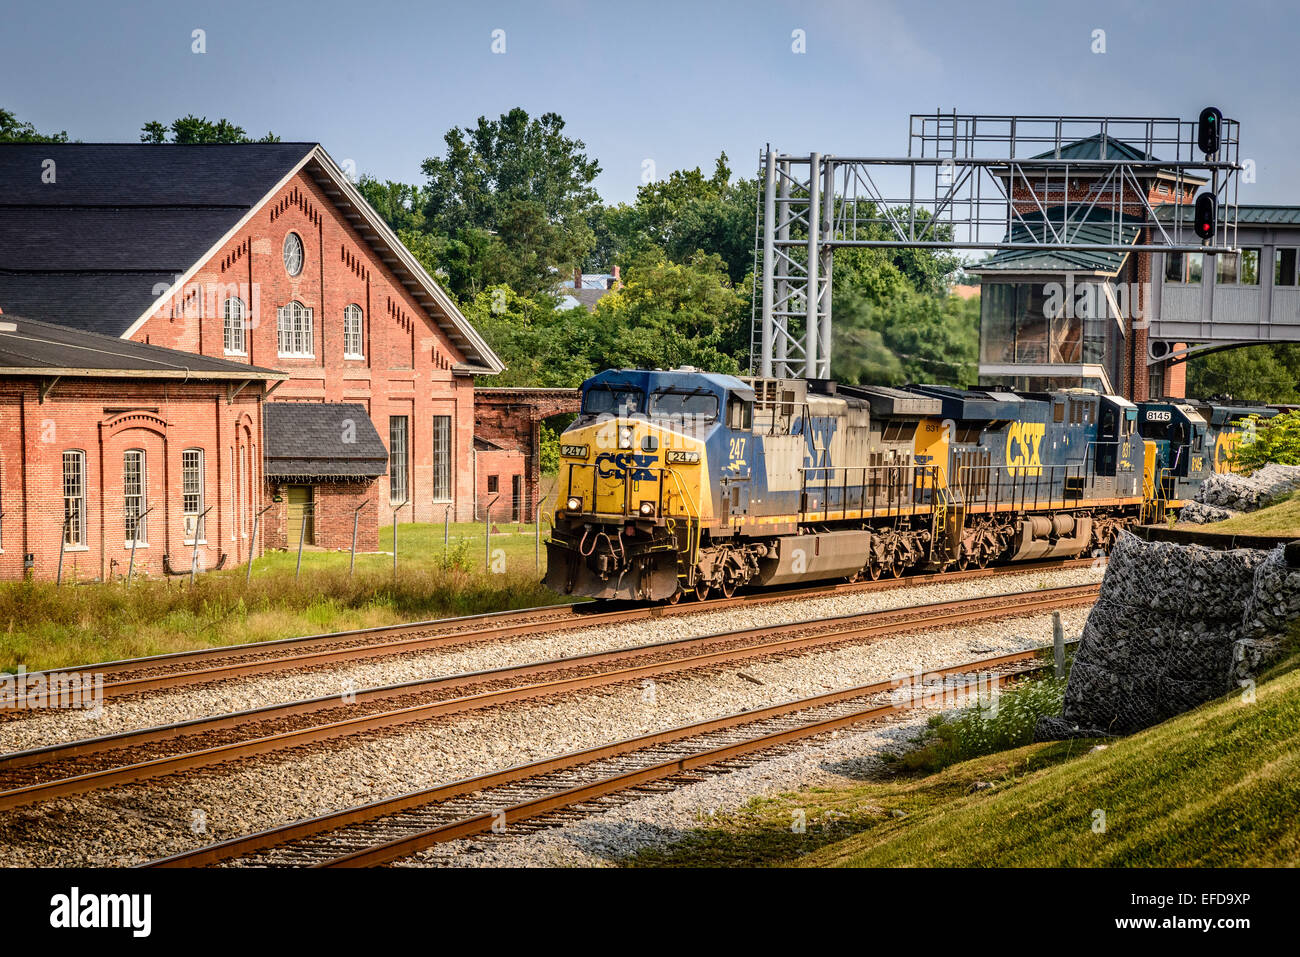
x=1275, y=440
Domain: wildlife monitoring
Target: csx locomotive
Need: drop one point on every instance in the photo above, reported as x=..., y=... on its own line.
x=685, y=482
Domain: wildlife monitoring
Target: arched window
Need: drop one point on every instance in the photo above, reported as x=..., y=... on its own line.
x=74, y=499
x=294, y=325
x=234, y=324
x=353, y=326
x=134, y=492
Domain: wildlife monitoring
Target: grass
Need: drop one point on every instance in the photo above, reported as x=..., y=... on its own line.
x=1280, y=518
x=42, y=626
x=1218, y=786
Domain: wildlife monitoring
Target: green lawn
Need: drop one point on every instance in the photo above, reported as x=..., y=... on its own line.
x=42, y=626
x=1219, y=786
x=1282, y=518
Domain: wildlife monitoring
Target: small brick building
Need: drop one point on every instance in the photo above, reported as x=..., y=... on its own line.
x=109, y=447
x=322, y=460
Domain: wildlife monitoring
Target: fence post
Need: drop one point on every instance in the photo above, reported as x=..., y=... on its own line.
x=487, y=535
x=446, y=529
x=130, y=568
x=396, y=509
x=252, y=543
x=538, y=544
x=1058, y=644
x=302, y=536
x=356, y=517
x=200, y=534
x=63, y=544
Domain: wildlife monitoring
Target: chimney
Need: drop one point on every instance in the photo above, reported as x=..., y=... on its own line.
x=618, y=283
x=577, y=278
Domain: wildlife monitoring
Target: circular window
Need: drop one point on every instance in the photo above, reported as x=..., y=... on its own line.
x=292, y=254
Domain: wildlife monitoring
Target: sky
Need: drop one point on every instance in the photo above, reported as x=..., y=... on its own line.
x=380, y=82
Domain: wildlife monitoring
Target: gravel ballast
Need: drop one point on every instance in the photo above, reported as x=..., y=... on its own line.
x=127, y=825
x=181, y=704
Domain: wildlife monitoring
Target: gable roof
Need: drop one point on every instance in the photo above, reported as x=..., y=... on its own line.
x=29, y=347
x=1091, y=226
x=310, y=440
x=124, y=225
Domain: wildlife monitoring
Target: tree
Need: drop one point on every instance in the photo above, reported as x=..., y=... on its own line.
x=1265, y=373
x=519, y=183
x=194, y=129
x=13, y=130
x=1269, y=440
x=672, y=314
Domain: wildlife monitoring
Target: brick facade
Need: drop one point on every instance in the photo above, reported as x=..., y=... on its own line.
x=332, y=517
x=406, y=363
x=511, y=418
x=104, y=418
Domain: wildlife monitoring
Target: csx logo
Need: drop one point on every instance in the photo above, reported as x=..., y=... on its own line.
x=1024, y=448
x=619, y=464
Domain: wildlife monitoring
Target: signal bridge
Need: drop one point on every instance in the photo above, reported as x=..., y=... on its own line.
x=1029, y=184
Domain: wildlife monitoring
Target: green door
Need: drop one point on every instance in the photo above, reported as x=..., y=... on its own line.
x=299, y=498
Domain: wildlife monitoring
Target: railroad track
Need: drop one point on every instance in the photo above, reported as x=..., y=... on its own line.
x=78, y=767
x=553, y=790
x=131, y=676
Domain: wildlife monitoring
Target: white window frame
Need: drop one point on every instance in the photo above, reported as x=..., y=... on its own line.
x=197, y=491
x=234, y=324
x=450, y=449
x=141, y=506
x=294, y=331
x=393, y=461
x=354, y=330
x=74, y=533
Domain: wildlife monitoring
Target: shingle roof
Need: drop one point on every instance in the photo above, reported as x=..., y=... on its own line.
x=121, y=222
x=29, y=347
x=1094, y=226
x=321, y=440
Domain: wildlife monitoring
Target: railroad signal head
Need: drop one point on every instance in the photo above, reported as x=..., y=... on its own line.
x=1207, y=214
x=1208, y=128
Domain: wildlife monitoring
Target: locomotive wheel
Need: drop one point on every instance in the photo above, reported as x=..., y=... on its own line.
x=982, y=558
x=873, y=570
x=896, y=567
x=701, y=590
x=676, y=597
x=728, y=587
x=963, y=560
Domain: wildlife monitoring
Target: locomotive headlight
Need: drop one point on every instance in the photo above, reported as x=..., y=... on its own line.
x=574, y=504
x=625, y=437
x=647, y=508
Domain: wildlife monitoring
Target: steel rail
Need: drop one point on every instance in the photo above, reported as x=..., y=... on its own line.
x=335, y=820
x=825, y=631
x=495, y=625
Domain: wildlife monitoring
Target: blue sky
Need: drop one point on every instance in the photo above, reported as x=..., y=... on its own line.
x=379, y=82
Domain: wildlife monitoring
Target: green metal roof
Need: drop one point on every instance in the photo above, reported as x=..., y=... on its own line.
x=1246, y=215
x=1090, y=149
x=1093, y=227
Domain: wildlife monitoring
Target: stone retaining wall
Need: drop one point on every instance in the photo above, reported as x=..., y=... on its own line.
x=1174, y=626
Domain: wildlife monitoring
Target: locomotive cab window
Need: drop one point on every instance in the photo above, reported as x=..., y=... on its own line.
x=739, y=413
x=701, y=406
x=604, y=400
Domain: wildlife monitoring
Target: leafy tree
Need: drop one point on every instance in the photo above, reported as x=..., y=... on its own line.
x=540, y=344
x=13, y=130
x=1265, y=373
x=671, y=314
x=516, y=183
x=1273, y=440
x=400, y=204
x=194, y=129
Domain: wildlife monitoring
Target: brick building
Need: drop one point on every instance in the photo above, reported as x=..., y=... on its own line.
x=263, y=255
x=510, y=420
x=110, y=447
